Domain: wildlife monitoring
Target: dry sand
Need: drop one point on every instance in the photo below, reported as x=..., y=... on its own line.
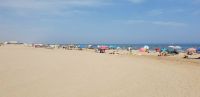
x=30, y=72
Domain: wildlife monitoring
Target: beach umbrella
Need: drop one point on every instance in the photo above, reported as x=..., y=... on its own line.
x=118, y=48
x=103, y=47
x=89, y=46
x=112, y=47
x=164, y=50
x=146, y=47
x=142, y=49
x=175, y=47
x=191, y=50
x=171, y=46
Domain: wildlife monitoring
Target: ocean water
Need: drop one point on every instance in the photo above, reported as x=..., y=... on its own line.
x=137, y=46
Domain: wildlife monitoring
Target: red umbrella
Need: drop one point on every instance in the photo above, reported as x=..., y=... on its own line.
x=103, y=47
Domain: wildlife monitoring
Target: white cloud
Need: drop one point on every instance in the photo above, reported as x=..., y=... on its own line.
x=155, y=12
x=135, y=21
x=49, y=4
x=136, y=1
x=160, y=23
x=49, y=7
x=169, y=23
x=196, y=1
x=196, y=13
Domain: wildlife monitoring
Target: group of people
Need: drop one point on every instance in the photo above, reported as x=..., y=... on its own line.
x=165, y=51
x=170, y=50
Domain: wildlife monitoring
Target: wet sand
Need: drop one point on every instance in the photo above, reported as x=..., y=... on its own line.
x=31, y=72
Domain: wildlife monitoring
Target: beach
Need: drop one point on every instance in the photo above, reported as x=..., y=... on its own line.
x=39, y=72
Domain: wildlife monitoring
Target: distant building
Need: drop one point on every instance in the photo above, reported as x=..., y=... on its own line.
x=12, y=42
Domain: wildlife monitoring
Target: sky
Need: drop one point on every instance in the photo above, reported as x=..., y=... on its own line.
x=100, y=21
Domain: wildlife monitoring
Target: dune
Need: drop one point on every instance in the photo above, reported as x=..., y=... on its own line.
x=31, y=72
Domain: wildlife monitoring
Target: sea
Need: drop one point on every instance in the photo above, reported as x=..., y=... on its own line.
x=138, y=46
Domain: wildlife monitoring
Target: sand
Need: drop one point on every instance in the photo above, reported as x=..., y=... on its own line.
x=31, y=72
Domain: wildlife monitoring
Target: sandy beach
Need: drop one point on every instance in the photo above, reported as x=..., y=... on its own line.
x=38, y=72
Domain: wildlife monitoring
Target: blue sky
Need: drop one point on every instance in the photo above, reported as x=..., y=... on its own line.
x=100, y=21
